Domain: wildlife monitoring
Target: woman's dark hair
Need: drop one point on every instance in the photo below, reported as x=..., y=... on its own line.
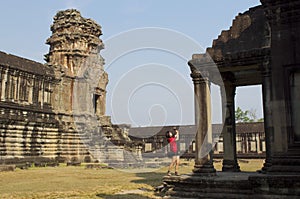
x=169, y=134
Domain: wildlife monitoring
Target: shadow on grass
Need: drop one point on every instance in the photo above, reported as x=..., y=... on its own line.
x=122, y=196
x=151, y=178
x=154, y=179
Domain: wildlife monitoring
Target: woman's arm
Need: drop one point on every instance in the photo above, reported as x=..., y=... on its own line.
x=177, y=134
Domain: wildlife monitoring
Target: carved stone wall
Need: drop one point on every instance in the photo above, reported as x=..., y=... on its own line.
x=56, y=111
x=28, y=128
x=239, y=39
x=80, y=94
x=74, y=56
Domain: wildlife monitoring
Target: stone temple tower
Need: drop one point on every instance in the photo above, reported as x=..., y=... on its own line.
x=55, y=112
x=78, y=98
x=74, y=55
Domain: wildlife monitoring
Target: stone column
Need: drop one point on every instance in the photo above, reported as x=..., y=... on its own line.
x=203, y=159
x=267, y=108
x=229, y=131
x=4, y=85
x=7, y=85
x=284, y=20
x=257, y=141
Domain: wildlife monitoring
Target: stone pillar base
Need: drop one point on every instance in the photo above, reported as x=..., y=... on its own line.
x=265, y=167
x=230, y=166
x=204, y=169
x=283, y=164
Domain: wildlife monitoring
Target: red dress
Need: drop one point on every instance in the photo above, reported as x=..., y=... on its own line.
x=173, y=144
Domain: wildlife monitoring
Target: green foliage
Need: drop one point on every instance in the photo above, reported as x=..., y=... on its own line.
x=246, y=116
x=260, y=120
x=241, y=116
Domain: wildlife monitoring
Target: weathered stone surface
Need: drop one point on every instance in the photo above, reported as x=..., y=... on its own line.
x=261, y=47
x=232, y=185
x=80, y=93
x=56, y=112
x=240, y=38
x=283, y=77
x=7, y=167
x=238, y=50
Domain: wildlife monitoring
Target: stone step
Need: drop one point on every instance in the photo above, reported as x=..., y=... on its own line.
x=232, y=185
x=198, y=186
x=189, y=195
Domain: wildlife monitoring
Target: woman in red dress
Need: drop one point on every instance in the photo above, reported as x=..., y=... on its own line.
x=172, y=138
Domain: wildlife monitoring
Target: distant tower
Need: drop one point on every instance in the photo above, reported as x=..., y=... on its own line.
x=74, y=55
x=79, y=94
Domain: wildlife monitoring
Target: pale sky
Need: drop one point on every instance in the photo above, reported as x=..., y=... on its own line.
x=147, y=46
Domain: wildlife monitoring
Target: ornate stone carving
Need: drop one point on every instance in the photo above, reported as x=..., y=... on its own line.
x=38, y=118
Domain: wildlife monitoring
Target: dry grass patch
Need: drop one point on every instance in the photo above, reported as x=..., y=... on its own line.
x=251, y=165
x=75, y=182
x=79, y=182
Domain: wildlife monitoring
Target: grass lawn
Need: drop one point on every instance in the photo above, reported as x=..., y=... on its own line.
x=79, y=182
